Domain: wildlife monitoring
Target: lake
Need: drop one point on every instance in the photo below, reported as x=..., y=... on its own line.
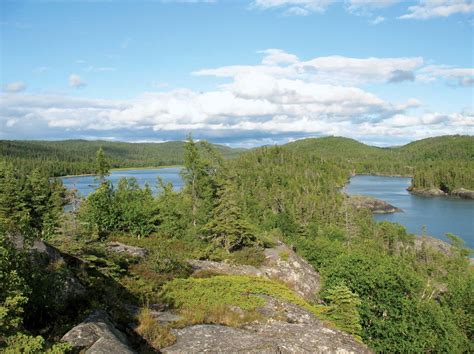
x=87, y=184
x=440, y=215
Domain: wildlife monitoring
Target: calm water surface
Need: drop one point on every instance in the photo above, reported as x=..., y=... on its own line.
x=87, y=184
x=439, y=214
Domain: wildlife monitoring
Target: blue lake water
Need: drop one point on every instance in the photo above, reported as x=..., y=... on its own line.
x=87, y=184
x=440, y=215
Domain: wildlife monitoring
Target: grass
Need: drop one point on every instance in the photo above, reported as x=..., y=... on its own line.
x=227, y=299
x=156, y=335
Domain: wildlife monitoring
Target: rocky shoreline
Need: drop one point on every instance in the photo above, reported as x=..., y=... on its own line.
x=375, y=205
x=461, y=193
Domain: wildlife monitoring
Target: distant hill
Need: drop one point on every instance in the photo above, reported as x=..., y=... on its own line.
x=78, y=156
x=444, y=163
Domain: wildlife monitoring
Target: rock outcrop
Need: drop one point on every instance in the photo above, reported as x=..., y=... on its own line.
x=44, y=254
x=429, y=192
x=118, y=247
x=281, y=264
x=290, y=329
x=377, y=206
x=97, y=335
x=463, y=193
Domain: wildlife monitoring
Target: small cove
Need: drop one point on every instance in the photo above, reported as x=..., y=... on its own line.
x=440, y=215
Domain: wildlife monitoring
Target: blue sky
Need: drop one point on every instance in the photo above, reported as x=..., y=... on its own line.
x=243, y=73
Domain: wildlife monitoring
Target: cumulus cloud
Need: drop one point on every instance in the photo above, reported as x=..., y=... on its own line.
x=330, y=70
x=377, y=20
x=438, y=8
x=280, y=99
x=14, y=87
x=76, y=81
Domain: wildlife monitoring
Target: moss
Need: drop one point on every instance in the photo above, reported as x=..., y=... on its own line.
x=200, y=300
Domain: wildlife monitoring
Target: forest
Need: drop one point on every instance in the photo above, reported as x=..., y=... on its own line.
x=376, y=284
x=72, y=157
x=445, y=163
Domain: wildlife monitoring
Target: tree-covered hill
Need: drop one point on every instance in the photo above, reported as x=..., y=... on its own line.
x=78, y=156
x=445, y=163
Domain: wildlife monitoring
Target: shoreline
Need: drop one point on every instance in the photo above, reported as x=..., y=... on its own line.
x=121, y=169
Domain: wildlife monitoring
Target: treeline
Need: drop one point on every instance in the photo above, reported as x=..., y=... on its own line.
x=445, y=162
x=69, y=157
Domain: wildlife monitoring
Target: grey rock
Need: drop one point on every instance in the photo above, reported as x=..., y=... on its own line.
x=377, y=206
x=463, y=193
x=118, y=247
x=98, y=335
x=72, y=287
x=51, y=253
x=284, y=265
x=281, y=264
x=273, y=337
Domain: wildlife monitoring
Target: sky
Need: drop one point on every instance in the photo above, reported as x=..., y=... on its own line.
x=241, y=73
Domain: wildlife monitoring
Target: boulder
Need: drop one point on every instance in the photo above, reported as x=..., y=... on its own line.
x=118, y=247
x=281, y=264
x=97, y=335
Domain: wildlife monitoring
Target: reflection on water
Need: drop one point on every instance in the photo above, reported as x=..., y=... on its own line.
x=440, y=215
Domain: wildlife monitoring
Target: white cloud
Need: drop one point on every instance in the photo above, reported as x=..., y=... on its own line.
x=278, y=56
x=294, y=7
x=453, y=75
x=76, y=81
x=377, y=20
x=280, y=99
x=330, y=70
x=438, y=8
x=14, y=87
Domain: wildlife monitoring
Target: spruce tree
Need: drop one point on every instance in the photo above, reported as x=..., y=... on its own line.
x=102, y=166
x=228, y=227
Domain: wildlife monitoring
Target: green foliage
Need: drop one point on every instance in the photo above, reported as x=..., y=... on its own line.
x=200, y=177
x=228, y=228
x=128, y=208
x=198, y=298
x=69, y=157
x=22, y=343
x=13, y=289
x=102, y=166
x=343, y=308
x=29, y=204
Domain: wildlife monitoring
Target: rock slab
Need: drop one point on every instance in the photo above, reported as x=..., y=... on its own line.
x=97, y=335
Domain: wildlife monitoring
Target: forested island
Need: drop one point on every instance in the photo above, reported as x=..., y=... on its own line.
x=212, y=266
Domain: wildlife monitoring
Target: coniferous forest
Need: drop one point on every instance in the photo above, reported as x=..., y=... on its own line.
x=377, y=282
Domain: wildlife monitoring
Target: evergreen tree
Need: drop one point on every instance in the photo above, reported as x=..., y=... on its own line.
x=102, y=166
x=228, y=228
